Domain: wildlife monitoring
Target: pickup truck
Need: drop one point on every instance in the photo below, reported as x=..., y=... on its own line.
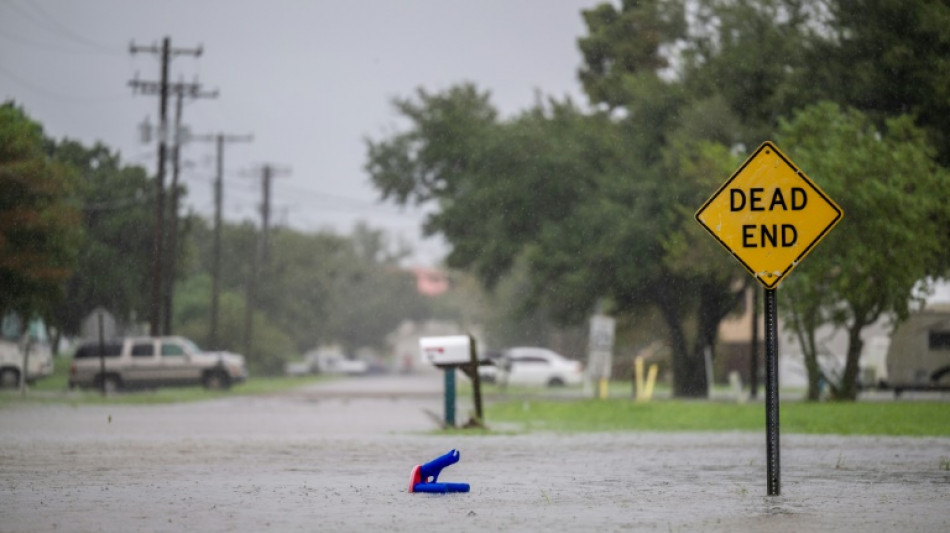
x=153, y=361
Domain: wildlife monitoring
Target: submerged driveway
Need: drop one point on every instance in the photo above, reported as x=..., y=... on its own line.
x=337, y=457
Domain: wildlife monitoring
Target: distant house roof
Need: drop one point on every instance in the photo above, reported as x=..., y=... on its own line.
x=430, y=281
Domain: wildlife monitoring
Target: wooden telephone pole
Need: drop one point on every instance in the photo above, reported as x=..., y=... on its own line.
x=162, y=88
x=219, y=139
x=262, y=255
x=181, y=90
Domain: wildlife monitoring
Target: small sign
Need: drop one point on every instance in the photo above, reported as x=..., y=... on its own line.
x=769, y=215
x=600, y=346
x=602, y=333
x=99, y=317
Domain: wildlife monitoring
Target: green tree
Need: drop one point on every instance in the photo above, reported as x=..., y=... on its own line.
x=599, y=204
x=752, y=55
x=408, y=168
x=580, y=197
x=315, y=288
x=375, y=295
x=511, y=319
x=325, y=288
x=114, y=263
x=886, y=58
x=677, y=126
x=893, y=235
x=271, y=346
x=621, y=44
x=282, y=321
x=498, y=185
x=39, y=230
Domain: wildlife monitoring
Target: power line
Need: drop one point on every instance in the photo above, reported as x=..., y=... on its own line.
x=327, y=202
x=43, y=20
x=46, y=93
x=337, y=199
x=19, y=39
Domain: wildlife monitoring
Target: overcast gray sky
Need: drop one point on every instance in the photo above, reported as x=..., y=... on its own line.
x=310, y=80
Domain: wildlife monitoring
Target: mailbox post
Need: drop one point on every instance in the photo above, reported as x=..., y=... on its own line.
x=450, y=353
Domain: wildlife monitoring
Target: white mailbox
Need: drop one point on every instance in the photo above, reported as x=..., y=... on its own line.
x=451, y=350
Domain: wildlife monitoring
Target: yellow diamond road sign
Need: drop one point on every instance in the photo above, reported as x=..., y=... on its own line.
x=769, y=215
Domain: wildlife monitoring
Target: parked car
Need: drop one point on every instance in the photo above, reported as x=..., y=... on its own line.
x=488, y=373
x=39, y=356
x=538, y=366
x=332, y=360
x=342, y=365
x=154, y=361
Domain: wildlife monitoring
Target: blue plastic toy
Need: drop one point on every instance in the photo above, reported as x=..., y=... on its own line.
x=424, y=478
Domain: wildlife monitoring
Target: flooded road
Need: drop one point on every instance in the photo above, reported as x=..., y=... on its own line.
x=337, y=457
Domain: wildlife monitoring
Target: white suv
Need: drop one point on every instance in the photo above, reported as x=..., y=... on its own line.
x=153, y=361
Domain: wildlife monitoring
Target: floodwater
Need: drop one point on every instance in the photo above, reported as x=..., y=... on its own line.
x=337, y=457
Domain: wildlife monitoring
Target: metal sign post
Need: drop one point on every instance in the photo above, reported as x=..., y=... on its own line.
x=769, y=215
x=102, y=355
x=773, y=463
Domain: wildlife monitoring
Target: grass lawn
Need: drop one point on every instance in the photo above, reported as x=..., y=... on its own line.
x=54, y=389
x=533, y=412
x=867, y=418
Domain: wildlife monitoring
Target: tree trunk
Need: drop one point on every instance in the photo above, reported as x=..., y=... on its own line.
x=848, y=387
x=806, y=339
x=689, y=373
x=694, y=382
x=814, y=377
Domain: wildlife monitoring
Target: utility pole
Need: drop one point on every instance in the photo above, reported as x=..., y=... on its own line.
x=166, y=52
x=262, y=256
x=219, y=140
x=268, y=172
x=193, y=91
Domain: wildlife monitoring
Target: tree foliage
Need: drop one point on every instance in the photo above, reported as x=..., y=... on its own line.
x=590, y=203
x=114, y=262
x=315, y=288
x=598, y=203
x=271, y=346
x=888, y=58
x=39, y=230
x=894, y=233
x=622, y=44
x=495, y=185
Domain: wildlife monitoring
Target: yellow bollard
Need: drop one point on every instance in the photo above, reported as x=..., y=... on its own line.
x=651, y=380
x=638, y=375
x=602, y=388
